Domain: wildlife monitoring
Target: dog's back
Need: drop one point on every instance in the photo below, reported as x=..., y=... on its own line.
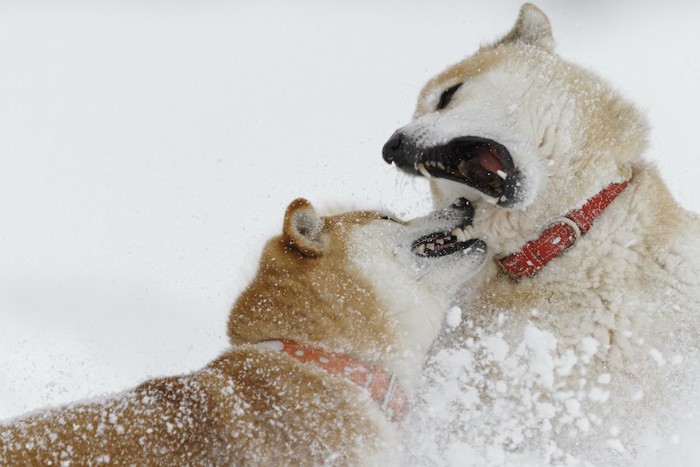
x=328, y=337
x=249, y=407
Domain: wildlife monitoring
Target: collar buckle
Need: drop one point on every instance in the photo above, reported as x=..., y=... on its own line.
x=574, y=226
x=561, y=235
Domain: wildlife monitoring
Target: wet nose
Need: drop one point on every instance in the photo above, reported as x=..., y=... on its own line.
x=465, y=205
x=392, y=148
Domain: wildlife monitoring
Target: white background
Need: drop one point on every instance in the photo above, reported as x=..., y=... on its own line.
x=148, y=149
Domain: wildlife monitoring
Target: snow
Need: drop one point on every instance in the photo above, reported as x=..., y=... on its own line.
x=454, y=317
x=149, y=149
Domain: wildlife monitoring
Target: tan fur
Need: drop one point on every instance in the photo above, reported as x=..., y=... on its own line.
x=278, y=302
x=257, y=406
x=532, y=27
x=249, y=406
x=477, y=64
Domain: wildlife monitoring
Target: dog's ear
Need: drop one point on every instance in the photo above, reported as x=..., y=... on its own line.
x=532, y=27
x=303, y=229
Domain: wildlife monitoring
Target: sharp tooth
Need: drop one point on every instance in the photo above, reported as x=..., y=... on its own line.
x=501, y=174
x=463, y=168
x=421, y=168
x=430, y=246
x=441, y=166
x=459, y=233
x=468, y=231
x=420, y=249
x=440, y=241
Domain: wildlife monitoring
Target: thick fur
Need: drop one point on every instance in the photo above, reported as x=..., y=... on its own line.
x=592, y=351
x=347, y=283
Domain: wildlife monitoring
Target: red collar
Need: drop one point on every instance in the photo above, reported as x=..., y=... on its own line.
x=383, y=386
x=561, y=235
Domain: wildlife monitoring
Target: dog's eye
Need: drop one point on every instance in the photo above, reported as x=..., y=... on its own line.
x=386, y=217
x=446, y=96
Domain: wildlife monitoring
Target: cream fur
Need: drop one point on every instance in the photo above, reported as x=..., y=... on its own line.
x=620, y=307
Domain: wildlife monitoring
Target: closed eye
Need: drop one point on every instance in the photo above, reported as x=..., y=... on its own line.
x=387, y=217
x=446, y=96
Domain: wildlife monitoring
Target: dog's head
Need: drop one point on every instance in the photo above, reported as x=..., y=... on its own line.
x=517, y=126
x=362, y=282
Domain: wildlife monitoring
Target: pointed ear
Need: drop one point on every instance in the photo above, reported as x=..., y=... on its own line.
x=303, y=229
x=532, y=27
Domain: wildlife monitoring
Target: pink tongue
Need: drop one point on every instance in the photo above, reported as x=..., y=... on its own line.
x=447, y=244
x=490, y=162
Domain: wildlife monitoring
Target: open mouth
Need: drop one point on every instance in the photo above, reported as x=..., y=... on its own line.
x=477, y=162
x=480, y=163
x=439, y=244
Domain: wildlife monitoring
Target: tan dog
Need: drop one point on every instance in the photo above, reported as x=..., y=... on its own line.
x=585, y=329
x=339, y=308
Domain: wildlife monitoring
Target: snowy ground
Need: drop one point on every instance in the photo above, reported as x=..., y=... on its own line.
x=148, y=149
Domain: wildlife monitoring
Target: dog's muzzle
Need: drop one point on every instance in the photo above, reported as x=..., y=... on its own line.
x=480, y=163
x=400, y=150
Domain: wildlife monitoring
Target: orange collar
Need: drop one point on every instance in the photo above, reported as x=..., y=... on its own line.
x=561, y=235
x=383, y=386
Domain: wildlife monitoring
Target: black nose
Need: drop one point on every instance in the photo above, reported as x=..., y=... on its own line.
x=392, y=148
x=465, y=205
x=462, y=203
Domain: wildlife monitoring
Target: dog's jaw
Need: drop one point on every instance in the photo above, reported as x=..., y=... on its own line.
x=484, y=110
x=415, y=290
x=479, y=163
x=414, y=313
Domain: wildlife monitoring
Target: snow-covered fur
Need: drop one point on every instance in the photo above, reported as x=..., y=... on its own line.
x=593, y=356
x=350, y=283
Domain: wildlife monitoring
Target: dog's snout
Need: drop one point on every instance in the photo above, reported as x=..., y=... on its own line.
x=464, y=205
x=402, y=151
x=392, y=149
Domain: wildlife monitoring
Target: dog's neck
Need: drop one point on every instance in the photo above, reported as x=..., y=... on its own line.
x=560, y=236
x=382, y=386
